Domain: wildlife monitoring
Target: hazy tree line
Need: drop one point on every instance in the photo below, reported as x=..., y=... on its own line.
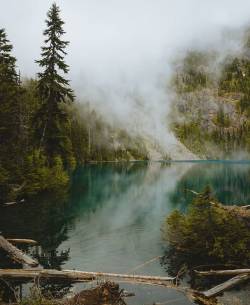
x=43, y=136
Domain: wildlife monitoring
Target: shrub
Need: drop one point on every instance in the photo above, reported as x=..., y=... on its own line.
x=40, y=176
x=208, y=234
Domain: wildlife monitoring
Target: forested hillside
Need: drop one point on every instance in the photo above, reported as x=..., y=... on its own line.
x=211, y=108
x=44, y=132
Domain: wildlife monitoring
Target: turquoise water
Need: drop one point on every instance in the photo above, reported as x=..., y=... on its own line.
x=112, y=219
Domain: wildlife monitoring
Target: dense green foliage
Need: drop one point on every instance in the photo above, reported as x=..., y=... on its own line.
x=43, y=134
x=211, y=113
x=30, y=158
x=207, y=234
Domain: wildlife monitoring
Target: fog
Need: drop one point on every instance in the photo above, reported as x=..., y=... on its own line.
x=120, y=50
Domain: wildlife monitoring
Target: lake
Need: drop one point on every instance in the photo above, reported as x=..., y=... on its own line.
x=112, y=219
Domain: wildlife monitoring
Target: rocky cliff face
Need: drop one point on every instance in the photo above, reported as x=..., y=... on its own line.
x=211, y=113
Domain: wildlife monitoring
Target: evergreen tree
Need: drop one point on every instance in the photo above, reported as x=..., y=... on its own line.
x=10, y=101
x=7, y=61
x=54, y=90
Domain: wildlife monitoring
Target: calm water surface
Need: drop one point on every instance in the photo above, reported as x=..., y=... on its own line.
x=112, y=220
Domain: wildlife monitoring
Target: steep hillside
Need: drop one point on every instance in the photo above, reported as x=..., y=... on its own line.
x=211, y=108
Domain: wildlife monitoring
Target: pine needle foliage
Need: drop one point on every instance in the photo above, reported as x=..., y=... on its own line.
x=53, y=88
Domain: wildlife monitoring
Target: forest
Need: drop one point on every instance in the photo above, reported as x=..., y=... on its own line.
x=45, y=133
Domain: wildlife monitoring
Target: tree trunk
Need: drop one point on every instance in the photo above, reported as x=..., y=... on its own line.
x=226, y=285
x=74, y=275
x=223, y=272
x=16, y=254
x=17, y=241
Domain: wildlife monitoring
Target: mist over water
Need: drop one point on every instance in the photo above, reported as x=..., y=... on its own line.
x=112, y=221
x=121, y=52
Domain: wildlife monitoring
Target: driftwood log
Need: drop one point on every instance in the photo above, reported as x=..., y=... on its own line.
x=19, y=241
x=225, y=286
x=16, y=255
x=12, y=202
x=74, y=276
x=30, y=274
x=81, y=276
x=9, y=203
x=223, y=272
x=131, y=276
x=247, y=207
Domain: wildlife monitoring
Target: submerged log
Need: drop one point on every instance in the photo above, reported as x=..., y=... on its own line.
x=226, y=285
x=17, y=241
x=223, y=272
x=16, y=255
x=74, y=275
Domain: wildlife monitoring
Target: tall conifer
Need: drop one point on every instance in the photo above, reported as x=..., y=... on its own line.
x=10, y=98
x=53, y=88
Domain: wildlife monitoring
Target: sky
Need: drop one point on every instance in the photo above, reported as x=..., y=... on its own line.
x=119, y=34
x=120, y=50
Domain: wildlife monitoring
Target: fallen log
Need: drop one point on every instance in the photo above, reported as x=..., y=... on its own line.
x=129, y=276
x=199, y=299
x=9, y=203
x=193, y=192
x=225, y=286
x=81, y=276
x=16, y=255
x=222, y=272
x=30, y=274
x=74, y=275
x=247, y=207
x=17, y=241
x=13, y=202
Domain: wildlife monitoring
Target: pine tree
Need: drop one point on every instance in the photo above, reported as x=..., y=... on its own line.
x=10, y=98
x=53, y=89
x=7, y=61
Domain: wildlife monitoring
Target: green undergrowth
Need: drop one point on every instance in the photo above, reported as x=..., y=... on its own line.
x=206, y=234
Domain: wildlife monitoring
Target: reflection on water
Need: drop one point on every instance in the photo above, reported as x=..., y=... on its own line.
x=112, y=219
x=229, y=181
